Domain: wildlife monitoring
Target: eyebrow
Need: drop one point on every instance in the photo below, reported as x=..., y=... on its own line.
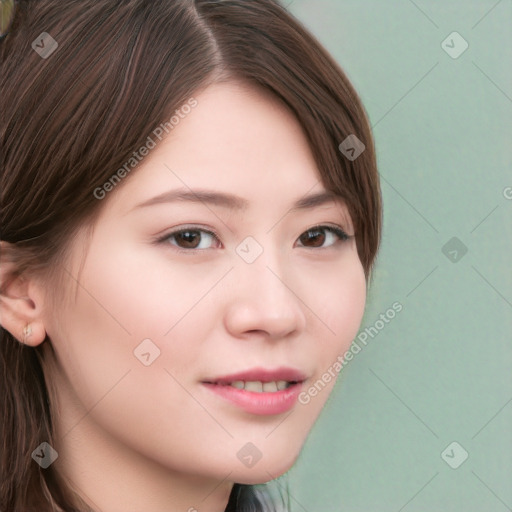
x=232, y=202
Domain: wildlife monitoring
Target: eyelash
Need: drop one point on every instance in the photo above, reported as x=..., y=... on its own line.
x=339, y=232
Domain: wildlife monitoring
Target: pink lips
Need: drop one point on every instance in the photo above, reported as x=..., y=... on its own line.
x=261, y=374
x=264, y=403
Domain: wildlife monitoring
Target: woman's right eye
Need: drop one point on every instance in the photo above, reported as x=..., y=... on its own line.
x=190, y=239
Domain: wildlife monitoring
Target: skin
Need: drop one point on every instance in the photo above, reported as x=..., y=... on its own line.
x=134, y=437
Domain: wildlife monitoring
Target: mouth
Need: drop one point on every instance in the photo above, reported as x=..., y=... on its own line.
x=257, y=386
x=261, y=380
x=259, y=391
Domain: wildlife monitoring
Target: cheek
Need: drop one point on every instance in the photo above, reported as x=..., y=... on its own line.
x=123, y=298
x=339, y=306
x=127, y=289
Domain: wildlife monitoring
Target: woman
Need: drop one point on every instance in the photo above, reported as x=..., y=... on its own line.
x=190, y=214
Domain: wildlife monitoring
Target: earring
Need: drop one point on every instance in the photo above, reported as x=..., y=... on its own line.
x=27, y=331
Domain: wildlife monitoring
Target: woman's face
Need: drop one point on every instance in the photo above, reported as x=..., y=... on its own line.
x=157, y=316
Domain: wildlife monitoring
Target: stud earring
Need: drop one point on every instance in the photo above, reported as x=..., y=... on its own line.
x=27, y=331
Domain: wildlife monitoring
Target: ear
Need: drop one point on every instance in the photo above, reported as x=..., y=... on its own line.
x=21, y=301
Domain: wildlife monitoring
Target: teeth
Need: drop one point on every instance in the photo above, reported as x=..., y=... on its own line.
x=255, y=386
x=282, y=384
x=269, y=387
x=261, y=387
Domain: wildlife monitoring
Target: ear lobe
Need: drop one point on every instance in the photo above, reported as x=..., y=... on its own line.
x=21, y=304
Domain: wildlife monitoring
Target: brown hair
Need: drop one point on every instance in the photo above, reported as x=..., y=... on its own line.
x=69, y=120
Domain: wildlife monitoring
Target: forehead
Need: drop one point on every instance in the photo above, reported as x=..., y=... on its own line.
x=237, y=141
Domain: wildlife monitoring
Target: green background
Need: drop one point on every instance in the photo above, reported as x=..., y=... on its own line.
x=440, y=371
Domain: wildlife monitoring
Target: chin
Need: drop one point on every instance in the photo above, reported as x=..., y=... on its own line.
x=265, y=470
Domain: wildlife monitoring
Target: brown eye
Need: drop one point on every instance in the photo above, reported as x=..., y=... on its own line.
x=190, y=238
x=316, y=236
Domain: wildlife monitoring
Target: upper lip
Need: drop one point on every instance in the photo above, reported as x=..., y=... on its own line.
x=262, y=375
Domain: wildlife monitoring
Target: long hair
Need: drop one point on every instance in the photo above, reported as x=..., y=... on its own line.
x=118, y=69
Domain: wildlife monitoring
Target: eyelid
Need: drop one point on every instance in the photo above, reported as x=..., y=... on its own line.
x=335, y=227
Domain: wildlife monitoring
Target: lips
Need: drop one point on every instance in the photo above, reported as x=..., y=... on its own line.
x=259, y=391
x=260, y=375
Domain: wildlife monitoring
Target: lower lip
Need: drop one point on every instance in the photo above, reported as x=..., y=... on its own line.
x=259, y=403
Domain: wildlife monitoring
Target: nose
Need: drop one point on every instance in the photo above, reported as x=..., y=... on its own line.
x=264, y=301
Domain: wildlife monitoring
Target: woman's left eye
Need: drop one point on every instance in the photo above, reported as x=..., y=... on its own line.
x=194, y=238
x=317, y=236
